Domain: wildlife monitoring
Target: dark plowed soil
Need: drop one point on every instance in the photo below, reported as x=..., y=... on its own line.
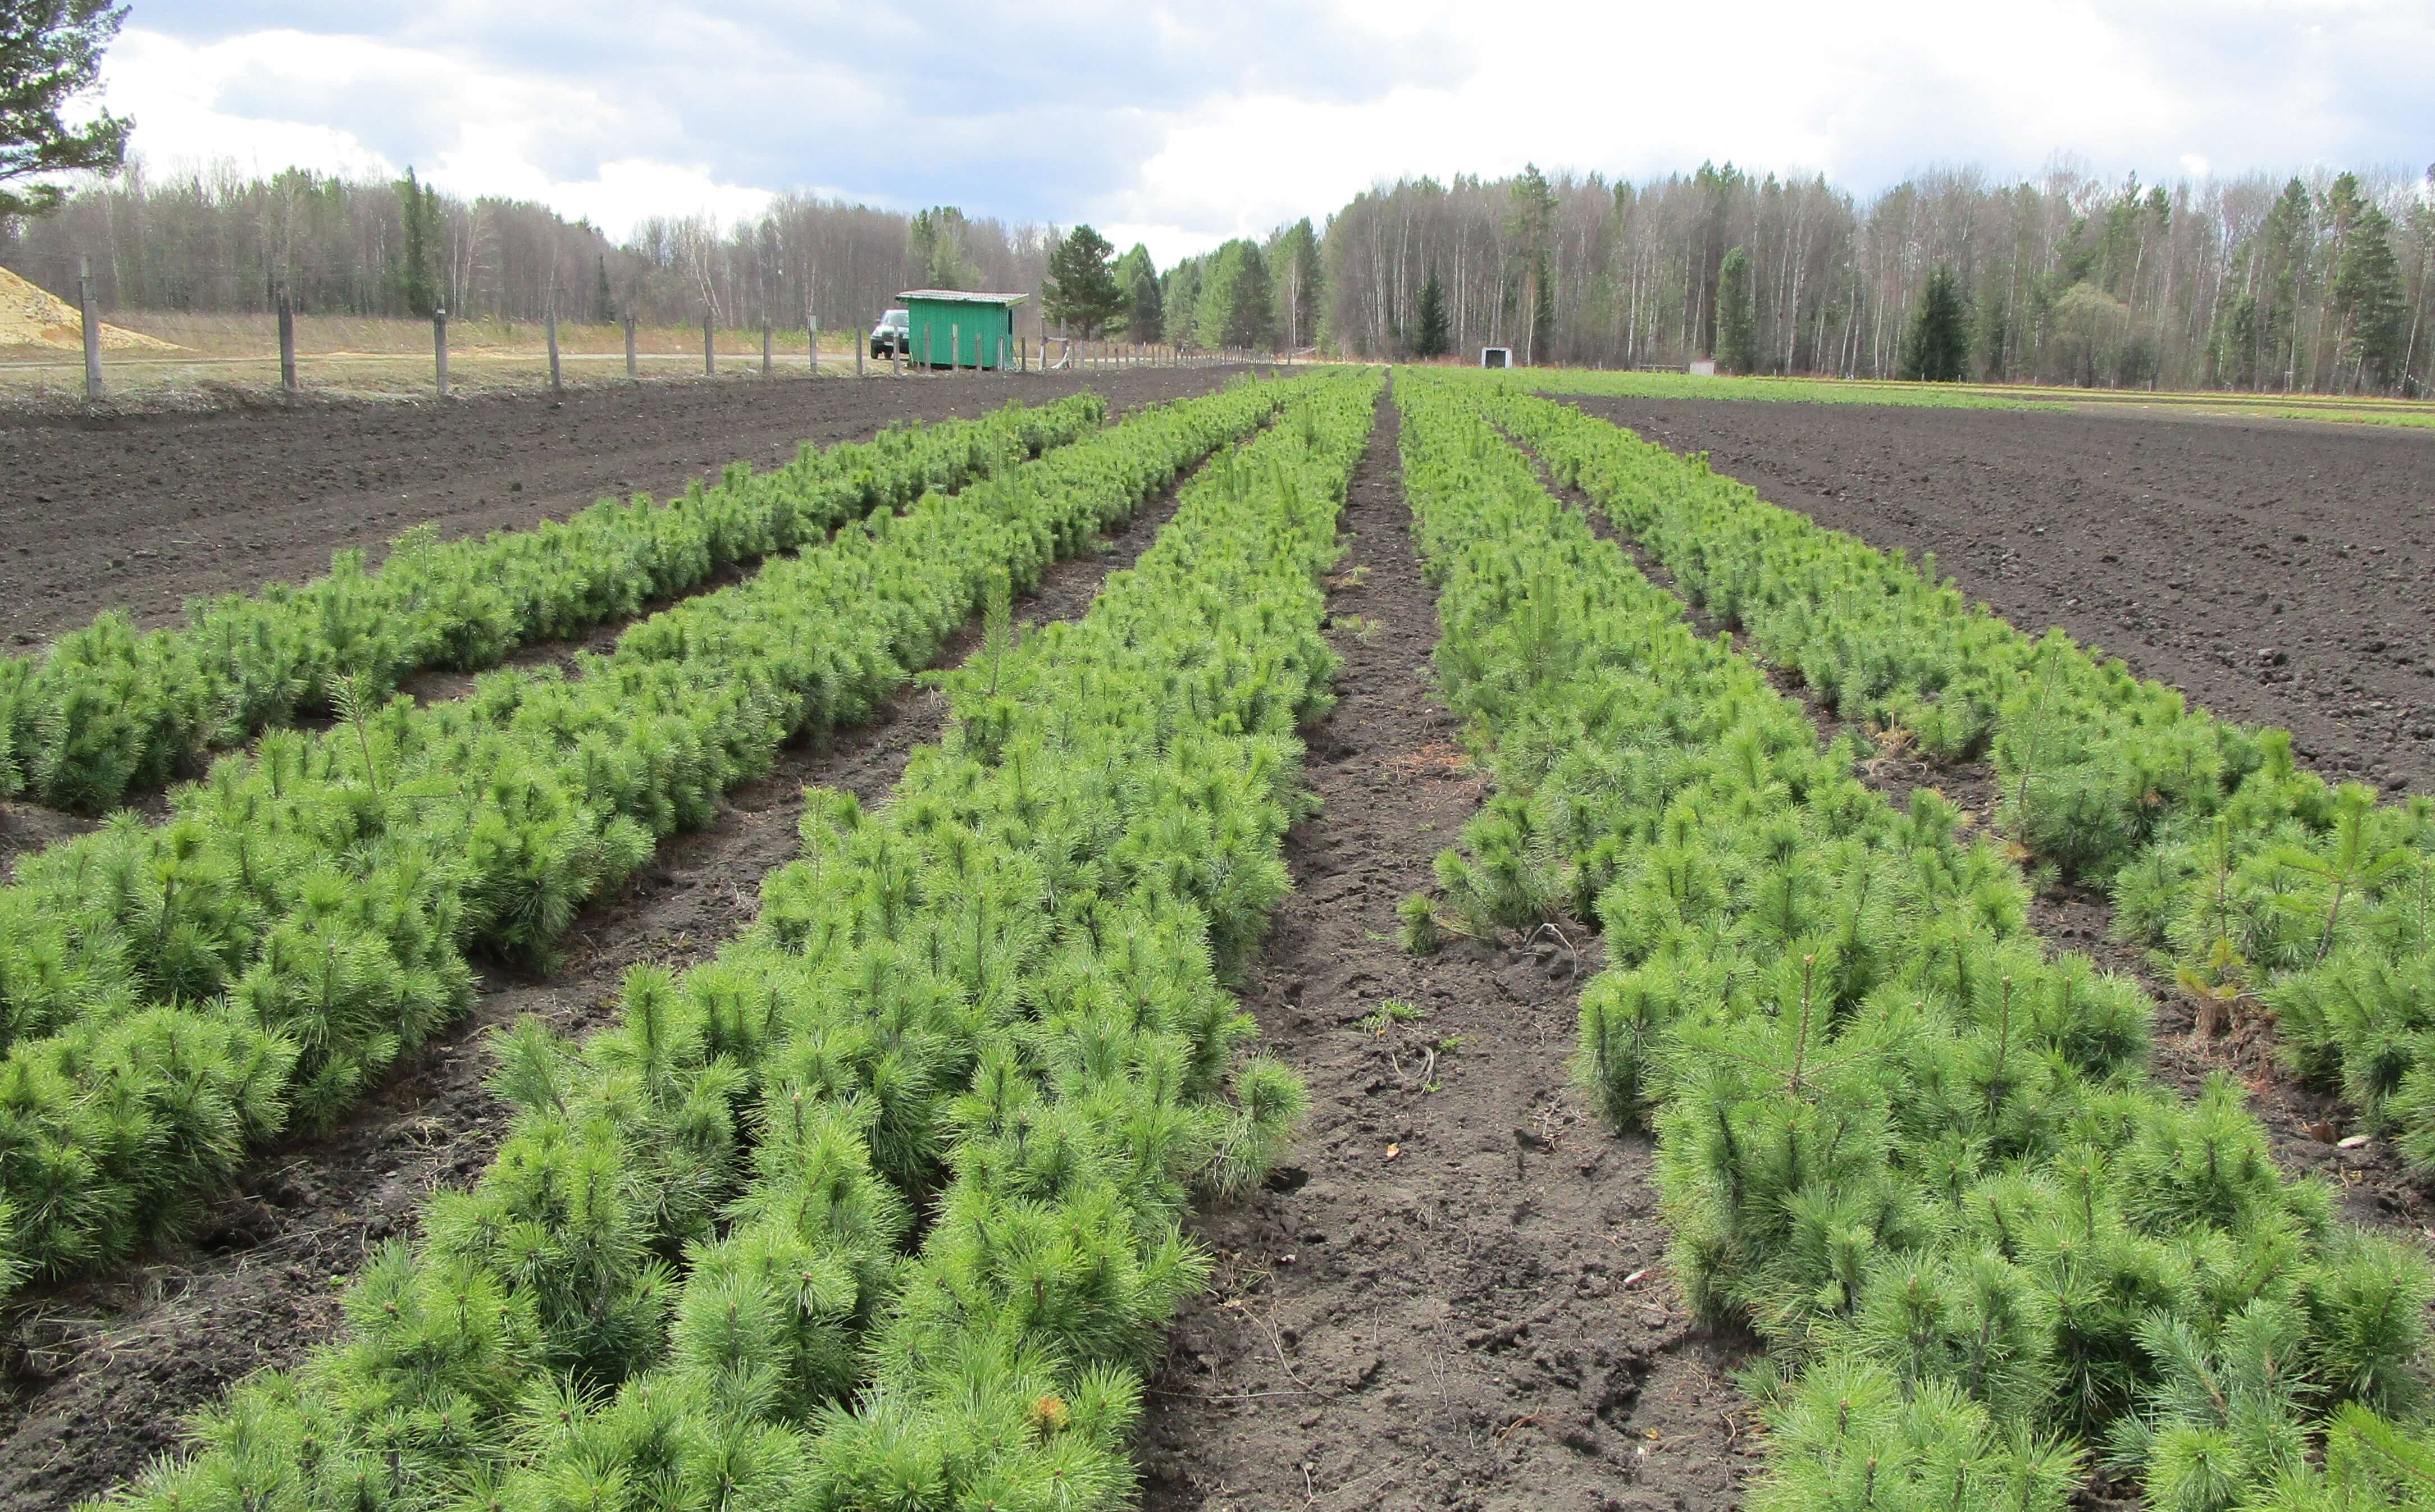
x=99, y=1376
x=144, y=511
x=1455, y=1297
x=2277, y=573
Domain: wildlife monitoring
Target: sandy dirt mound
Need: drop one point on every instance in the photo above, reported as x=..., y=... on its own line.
x=32, y=316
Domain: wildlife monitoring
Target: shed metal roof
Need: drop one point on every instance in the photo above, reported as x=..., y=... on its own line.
x=961, y=297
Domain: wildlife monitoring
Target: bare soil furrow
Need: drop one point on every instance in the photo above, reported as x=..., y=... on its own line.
x=1456, y=1297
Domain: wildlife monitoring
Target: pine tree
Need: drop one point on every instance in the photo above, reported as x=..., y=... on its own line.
x=1431, y=335
x=1936, y=349
x=1144, y=317
x=1737, y=316
x=1543, y=313
x=2288, y=242
x=1994, y=328
x=2367, y=291
x=50, y=54
x=604, y=303
x=419, y=207
x=1531, y=223
x=935, y=244
x=1081, y=294
x=1179, y=297
x=2240, y=337
x=1294, y=267
x=1235, y=298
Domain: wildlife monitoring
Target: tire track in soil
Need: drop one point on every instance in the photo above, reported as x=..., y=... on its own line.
x=2375, y=1188
x=99, y=1375
x=1449, y=1327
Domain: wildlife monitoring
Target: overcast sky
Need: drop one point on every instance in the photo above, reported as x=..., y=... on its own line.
x=1182, y=124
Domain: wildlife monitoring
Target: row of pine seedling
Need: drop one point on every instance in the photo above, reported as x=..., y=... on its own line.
x=2255, y=883
x=173, y=995
x=879, y=1208
x=1913, y=1149
x=105, y=712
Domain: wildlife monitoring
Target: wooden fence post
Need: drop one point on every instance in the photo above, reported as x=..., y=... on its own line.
x=768, y=335
x=92, y=329
x=439, y=345
x=549, y=327
x=954, y=345
x=709, y=350
x=812, y=341
x=925, y=347
x=858, y=344
x=286, y=341
x=631, y=370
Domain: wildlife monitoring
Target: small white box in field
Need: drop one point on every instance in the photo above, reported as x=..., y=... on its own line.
x=1496, y=356
x=1705, y=367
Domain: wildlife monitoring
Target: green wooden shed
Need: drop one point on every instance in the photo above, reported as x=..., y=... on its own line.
x=953, y=328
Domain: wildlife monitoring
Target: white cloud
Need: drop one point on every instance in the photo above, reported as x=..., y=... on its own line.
x=252, y=100
x=1276, y=113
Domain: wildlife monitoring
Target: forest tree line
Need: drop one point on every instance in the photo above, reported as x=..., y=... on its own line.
x=215, y=240
x=2323, y=282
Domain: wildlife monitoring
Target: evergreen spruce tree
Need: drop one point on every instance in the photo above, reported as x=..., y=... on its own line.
x=1143, y=318
x=2240, y=337
x=1530, y=226
x=1179, y=297
x=2367, y=291
x=1994, y=328
x=1081, y=294
x=1236, y=306
x=1543, y=313
x=935, y=249
x=51, y=54
x=419, y=207
x=1431, y=336
x=1294, y=268
x=1936, y=349
x=1737, y=314
x=604, y=303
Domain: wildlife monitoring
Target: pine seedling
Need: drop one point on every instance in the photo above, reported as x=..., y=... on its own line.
x=1269, y=1104
x=350, y=702
x=1623, y=1018
x=2031, y=751
x=2350, y=866
x=2367, y=1302
x=1423, y=932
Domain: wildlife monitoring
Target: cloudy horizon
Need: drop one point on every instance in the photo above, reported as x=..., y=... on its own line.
x=1158, y=123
